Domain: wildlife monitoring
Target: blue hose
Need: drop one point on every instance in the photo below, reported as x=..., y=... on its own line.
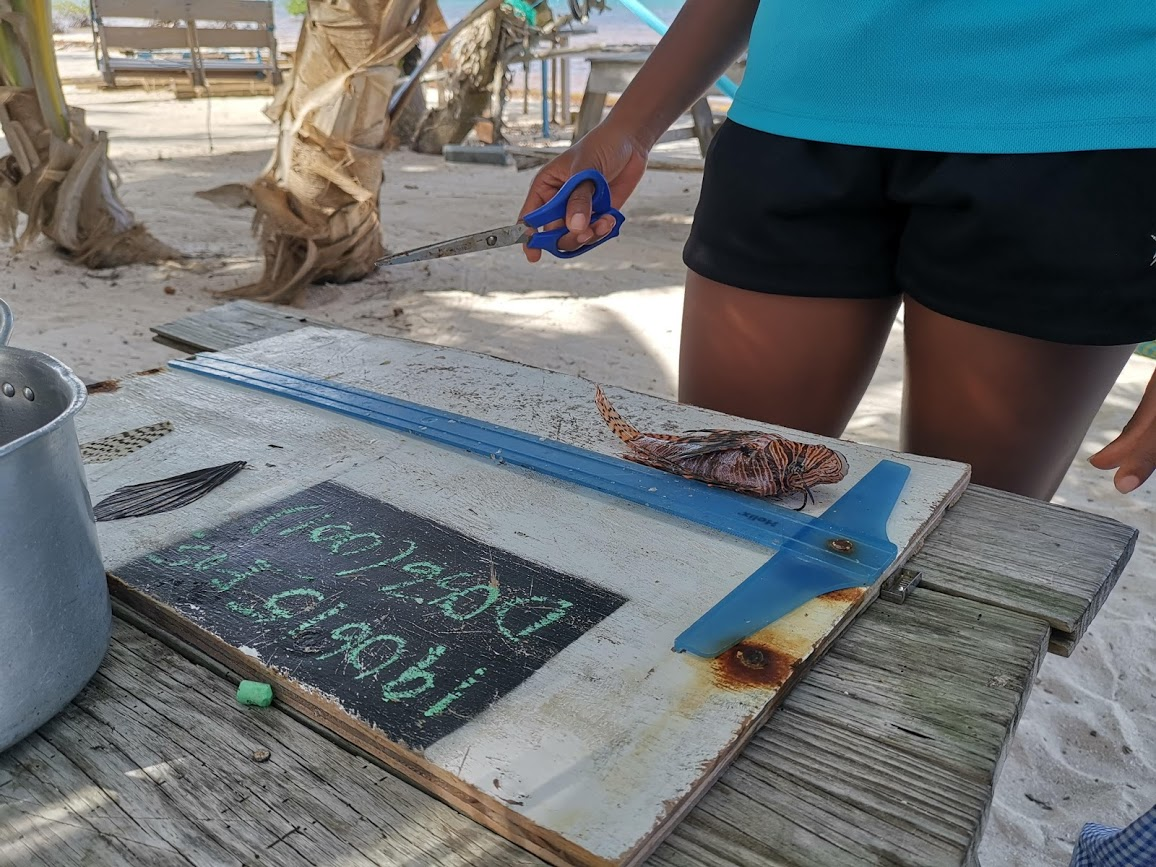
x=655, y=23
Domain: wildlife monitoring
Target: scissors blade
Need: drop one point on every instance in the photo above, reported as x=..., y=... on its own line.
x=504, y=237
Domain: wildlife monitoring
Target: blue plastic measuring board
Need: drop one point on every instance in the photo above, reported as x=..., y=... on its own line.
x=845, y=547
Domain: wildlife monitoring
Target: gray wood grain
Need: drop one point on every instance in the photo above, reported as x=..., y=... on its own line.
x=152, y=765
x=1046, y=561
x=885, y=754
x=228, y=325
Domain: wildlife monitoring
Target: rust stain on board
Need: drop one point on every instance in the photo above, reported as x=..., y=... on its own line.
x=105, y=386
x=850, y=595
x=753, y=664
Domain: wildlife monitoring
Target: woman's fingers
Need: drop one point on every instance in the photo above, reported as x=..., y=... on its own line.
x=578, y=209
x=1133, y=453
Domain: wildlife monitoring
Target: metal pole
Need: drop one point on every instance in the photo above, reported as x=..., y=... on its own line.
x=554, y=89
x=545, y=98
x=565, y=86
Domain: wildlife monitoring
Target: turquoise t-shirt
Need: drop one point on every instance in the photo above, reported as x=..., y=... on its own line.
x=964, y=76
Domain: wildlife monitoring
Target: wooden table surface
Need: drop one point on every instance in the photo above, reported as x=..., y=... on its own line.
x=886, y=753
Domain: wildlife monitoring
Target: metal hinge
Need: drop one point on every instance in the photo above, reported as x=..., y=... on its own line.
x=898, y=586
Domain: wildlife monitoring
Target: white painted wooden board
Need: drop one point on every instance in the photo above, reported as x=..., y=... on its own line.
x=593, y=758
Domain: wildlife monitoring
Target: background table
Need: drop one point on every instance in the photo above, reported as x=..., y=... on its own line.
x=612, y=71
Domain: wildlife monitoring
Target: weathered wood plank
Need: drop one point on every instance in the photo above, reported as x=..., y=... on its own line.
x=993, y=547
x=259, y=11
x=886, y=753
x=1045, y=561
x=150, y=10
x=229, y=325
x=584, y=783
x=146, y=38
x=153, y=765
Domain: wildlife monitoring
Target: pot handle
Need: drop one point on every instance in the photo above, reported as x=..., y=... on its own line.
x=5, y=322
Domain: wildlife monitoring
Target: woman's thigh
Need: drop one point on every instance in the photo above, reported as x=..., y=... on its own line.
x=799, y=362
x=1015, y=408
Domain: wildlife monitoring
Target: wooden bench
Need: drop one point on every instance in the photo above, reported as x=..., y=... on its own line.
x=192, y=39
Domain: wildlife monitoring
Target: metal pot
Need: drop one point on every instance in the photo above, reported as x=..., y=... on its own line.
x=55, y=619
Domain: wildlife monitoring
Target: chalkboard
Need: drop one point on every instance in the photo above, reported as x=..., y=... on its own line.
x=411, y=625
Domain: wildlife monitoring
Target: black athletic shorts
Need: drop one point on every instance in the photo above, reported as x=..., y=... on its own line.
x=1057, y=246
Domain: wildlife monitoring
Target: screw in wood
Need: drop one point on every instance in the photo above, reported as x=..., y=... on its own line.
x=751, y=657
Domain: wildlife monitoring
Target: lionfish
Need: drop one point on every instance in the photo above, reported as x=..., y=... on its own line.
x=752, y=462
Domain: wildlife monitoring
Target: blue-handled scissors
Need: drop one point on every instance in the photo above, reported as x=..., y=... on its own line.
x=529, y=229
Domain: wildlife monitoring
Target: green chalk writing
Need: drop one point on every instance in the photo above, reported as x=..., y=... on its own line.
x=409, y=623
x=453, y=695
x=419, y=673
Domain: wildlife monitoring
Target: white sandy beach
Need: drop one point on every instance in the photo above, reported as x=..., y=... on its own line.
x=1086, y=749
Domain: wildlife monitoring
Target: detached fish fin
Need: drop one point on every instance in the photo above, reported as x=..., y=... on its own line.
x=622, y=429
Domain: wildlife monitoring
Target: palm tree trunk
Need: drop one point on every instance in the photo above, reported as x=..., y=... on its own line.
x=478, y=77
x=58, y=173
x=317, y=201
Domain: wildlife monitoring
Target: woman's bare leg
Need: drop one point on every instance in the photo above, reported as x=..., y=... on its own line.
x=1015, y=408
x=802, y=363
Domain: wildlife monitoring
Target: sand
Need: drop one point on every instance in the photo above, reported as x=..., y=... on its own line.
x=1086, y=749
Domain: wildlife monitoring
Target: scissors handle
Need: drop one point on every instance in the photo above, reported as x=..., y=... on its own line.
x=555, y=209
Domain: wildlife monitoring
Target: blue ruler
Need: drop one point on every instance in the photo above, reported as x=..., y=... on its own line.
x=845, y=547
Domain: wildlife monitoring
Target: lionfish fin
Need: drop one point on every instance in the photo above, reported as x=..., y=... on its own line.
x=623, y=429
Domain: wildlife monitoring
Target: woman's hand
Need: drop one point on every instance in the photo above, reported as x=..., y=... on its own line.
x=1133, y=453
x=621, y=159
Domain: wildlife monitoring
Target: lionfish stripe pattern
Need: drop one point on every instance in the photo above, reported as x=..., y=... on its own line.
x=752, y=462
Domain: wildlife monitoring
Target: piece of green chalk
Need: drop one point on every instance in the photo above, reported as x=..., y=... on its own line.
x=255, y=693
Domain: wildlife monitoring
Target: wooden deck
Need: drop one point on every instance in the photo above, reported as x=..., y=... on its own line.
x=885, y=752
